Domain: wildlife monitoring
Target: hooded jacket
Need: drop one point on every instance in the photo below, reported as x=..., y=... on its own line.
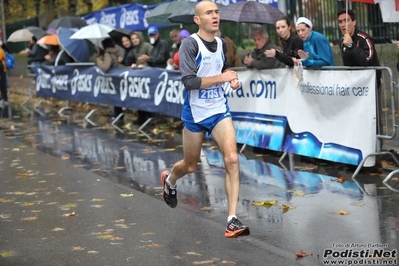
x=110, y=56
x=138, y=50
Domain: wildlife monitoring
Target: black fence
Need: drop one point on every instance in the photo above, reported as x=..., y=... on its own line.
x=323, y=14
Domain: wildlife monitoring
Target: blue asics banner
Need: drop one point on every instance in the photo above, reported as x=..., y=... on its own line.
x=149, y=89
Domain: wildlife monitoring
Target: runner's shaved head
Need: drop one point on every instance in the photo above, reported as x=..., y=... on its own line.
x=204, y=5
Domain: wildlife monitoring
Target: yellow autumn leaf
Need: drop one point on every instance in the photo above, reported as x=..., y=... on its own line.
x=22, y=175
x=26, y=204
x=299, y=194
x=105, y=236
x=4, y=200
x=359, y=204
x=204, y=262
x=15, y=149
x=126, y=195
x=58, y=229
x=69, y=205
x=31, y=218
x=119, y=221
x=69, y=214
x=267, y=204
x=97, y=206
x=78, y=249
x=6, y=254
x=341, y=212
x=148, y=233
x=206, y=208
x=65, y=157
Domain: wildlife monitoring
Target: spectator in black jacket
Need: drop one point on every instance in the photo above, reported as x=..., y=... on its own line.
x=127, y=47
x=357, y=49
x=289, y=41
x=160, y=50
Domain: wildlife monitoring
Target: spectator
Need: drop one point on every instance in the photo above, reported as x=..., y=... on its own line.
x=127, y=47
x=174, y=36
x=3, y=82
x=35, y=52
x=289, y=41
x=357, y=49
x=6, y=50
x=316, y=48
x=53, y=51
x=160, y=50
x=108, y=55
x=140, y=47
x=232, y=52
x=257, y=59
x=175, y=61
x=107, y=59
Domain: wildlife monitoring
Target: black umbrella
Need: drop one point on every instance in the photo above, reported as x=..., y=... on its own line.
x=117, y=34
x=67, y=22
x=185, y=14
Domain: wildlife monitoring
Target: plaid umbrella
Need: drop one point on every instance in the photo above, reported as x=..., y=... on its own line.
x=250, y=12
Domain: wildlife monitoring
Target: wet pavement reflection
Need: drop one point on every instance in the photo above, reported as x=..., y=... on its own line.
x=309, y=187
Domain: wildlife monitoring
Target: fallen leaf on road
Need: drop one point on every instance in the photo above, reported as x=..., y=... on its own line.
x=298, y=194
x=92, y=252
x=69, y=214
x=303, y=254
x=78, y=249
x=341, y=212
x=69, y=205
x=22, y=175
x=4, y=200
x=206, y=208
x=147, y=233
x=31, y=218
x=287, y=207
x=97, y=206
x=267, y=204
x=126, y=195
x=205, y=262
x=153, y=245
x=26, y=204
x=97, y=199
x=58, y=229
x=359, y=203
x=193, y=253
x=6, y=254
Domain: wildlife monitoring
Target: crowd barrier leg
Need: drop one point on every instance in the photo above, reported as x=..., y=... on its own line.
x=87, y=117
x=145, y=123
x=62, y=109
x=113, y=123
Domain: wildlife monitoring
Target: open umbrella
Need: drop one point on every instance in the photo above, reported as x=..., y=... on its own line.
x=67, y=22
x=94, y=32
x=117, y=34
x=25, y=34
x=75, y=48
x=160, y=14
x=185, y=14
x=250, y=12
x=36, y=31
x=22, y=35
x=50, y=39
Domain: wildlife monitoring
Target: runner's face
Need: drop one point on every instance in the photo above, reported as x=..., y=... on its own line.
x=283, y=30
x=209, y=17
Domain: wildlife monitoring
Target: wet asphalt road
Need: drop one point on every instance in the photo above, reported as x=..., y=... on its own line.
x=52, y=166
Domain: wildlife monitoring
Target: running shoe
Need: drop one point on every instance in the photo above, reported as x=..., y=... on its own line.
x=235, y=229
x=169, y=194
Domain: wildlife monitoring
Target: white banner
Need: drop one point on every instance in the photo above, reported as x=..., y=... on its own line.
x=331, y=115
x=390, y=11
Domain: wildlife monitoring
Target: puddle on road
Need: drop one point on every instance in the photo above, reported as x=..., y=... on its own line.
x=309, y=188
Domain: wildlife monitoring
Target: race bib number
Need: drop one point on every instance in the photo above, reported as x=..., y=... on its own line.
x=206, y=94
